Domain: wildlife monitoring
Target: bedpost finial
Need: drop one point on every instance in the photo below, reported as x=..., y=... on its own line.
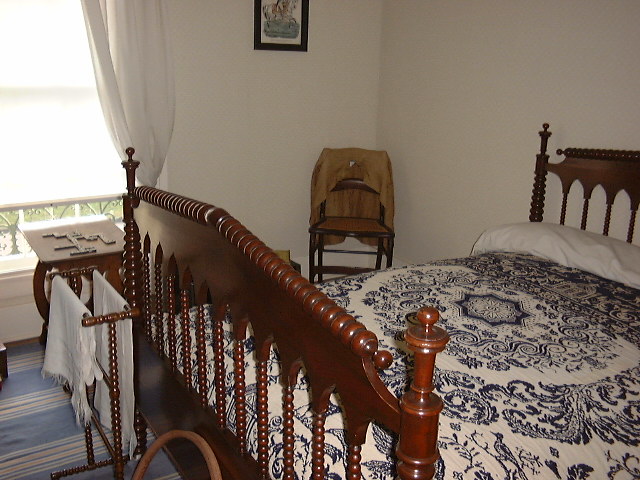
x=130, y=165
x=544, y=136
x=427, y=334
x=130, y=151
x=428, y=316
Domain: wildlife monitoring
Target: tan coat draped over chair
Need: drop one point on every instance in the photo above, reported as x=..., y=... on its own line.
x=335, y=164
x=351, y=196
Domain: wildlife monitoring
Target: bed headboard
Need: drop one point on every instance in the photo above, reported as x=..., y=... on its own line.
x=613, y=170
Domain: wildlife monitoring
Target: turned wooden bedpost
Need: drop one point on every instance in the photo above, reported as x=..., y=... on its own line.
x=132, y=264
x=539, y=184
x=417, y=448
x=132, y=257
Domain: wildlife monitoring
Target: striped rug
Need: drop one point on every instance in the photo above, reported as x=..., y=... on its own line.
x=38, y=433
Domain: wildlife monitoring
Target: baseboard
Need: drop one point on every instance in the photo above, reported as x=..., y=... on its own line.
x=26, y=341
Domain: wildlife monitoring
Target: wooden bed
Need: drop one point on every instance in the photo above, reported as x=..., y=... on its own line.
x=206, y=257
x=191, y=268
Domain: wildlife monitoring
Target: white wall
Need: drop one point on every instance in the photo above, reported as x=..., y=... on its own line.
x=251, y=124
x=19, y=318
x=466, y=86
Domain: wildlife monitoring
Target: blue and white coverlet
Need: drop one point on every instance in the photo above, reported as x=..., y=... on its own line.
x=540, y=380
x=541, y=377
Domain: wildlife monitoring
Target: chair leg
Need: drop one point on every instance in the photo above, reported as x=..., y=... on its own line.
x=379, y=253
x=320, y=251
x=312, y=257
x=389, y=252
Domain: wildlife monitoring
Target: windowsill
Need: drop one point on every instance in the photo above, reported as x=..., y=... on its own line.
x=16, y=287
x=23, y=264
x=62, y=201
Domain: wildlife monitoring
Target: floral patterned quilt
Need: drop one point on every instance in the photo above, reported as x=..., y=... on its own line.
x=540, y=380
x=541, y=377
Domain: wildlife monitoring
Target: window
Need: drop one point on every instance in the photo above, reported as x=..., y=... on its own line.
x=55, y=144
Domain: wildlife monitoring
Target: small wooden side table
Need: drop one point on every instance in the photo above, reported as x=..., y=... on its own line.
x=79, y=245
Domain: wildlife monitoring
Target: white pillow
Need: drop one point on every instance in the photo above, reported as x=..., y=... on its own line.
x=607, y=257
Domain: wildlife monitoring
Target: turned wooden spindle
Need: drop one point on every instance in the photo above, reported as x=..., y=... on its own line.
x=317, y=447
x=585, y=210
x=132, y=266
x=607, y=218
x=132, y=256
x=539, y=185
x=262, y=407
x=171, y=323
x=140, y=428
x=159, y=301
x=88, y=441
x=201, y=356
x=219, y=368
x=417, y=448
x=632, y=223
x=354, y=457
x=114, y=396
x=288, y=437
x=240, y=391
x=185, y=330
x=563, y=207
x=146, y=288
x=109, y=317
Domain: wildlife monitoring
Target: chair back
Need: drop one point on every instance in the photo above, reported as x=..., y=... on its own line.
x=353, y=184
x=336, y=164
x=351, y=195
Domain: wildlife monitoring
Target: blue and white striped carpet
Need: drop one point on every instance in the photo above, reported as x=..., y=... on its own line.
x=38, y=433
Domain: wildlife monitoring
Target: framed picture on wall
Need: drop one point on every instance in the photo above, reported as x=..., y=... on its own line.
x=281, y=25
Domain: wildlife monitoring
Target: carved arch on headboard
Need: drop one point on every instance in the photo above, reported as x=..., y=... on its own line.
x=613, y=170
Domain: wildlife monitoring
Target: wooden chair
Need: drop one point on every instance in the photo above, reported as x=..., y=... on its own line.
x=354, y=227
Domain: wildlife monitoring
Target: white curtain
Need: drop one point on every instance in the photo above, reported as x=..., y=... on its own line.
x=134, y=76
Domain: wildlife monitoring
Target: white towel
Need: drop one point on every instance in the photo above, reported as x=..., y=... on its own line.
x=107, y=300
x=70, y=353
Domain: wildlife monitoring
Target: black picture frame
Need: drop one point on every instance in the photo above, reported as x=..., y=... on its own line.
x=281, y=25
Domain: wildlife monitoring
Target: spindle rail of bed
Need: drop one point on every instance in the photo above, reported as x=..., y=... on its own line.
x=192, y=250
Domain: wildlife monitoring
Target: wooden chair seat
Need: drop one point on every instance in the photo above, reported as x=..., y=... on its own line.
x=351, y=227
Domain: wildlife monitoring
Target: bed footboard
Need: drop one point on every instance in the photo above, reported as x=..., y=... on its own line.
x=220, y=312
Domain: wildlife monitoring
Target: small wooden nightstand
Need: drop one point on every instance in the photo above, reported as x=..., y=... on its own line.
x=76, y=245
